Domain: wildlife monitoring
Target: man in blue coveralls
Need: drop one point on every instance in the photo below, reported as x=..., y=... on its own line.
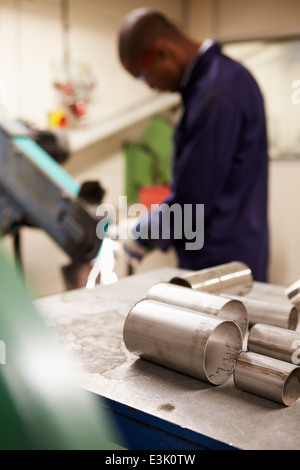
x=220, y=145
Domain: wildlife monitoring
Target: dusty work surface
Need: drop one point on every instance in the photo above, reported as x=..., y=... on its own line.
x=90, y=323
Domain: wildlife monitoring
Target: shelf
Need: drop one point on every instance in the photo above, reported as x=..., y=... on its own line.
x=90, y=134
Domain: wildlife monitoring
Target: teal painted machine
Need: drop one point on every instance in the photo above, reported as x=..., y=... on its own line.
x=36, y=191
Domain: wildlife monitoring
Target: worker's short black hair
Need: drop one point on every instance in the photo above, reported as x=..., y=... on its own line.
x=139, y=31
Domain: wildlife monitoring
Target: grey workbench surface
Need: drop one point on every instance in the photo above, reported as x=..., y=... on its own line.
x=90, y=323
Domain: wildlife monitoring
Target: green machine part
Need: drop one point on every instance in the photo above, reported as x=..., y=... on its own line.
x=148, y=160
x=42, y=407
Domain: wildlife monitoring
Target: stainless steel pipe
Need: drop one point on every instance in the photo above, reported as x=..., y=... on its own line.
x=269, y=293
x=194, y=343
x=267, y=377
x=293, y=293
x=270, y=313
x=234, y=278
x=202, y=302
x=275, y=342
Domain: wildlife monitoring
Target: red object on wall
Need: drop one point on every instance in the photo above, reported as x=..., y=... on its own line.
x=155, y=194
x=79, y=108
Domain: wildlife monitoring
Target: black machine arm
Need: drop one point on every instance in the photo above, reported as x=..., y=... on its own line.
x=35, y=190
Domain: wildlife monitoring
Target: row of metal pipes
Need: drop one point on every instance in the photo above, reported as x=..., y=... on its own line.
x=203, y=324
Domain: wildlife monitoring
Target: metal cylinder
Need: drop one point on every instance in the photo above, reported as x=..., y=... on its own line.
x=270, y=313
x=234, y=278
x=196, y=344
x=275, y=342
x=269, y=293
x=202, y=302
x=293, y=293
x=267, y=377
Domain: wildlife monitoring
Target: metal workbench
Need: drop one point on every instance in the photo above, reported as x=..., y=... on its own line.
x=152, y=406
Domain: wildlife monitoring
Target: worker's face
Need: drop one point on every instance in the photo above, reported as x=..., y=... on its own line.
x=159, y=69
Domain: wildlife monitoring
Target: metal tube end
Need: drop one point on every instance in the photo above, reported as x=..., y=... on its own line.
x=234, y=277
x=267, y=377
x=194, y=343
x=222, y=350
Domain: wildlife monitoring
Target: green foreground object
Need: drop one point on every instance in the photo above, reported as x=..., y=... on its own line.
x=41, y=403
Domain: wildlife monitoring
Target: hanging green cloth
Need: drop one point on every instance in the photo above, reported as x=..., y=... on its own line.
x=148, y=161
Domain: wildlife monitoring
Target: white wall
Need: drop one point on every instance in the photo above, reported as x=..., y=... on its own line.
x=239, y=19
x=284, y=221
x=30, y=39
x=32, y=42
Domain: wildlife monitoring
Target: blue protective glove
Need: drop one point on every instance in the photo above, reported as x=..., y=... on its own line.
x=136, y=247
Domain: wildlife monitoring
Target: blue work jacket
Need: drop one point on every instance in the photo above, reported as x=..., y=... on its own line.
x=220, y=161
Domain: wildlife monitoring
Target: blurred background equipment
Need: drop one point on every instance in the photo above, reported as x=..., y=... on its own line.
x=74, y=79
x=36, y=191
